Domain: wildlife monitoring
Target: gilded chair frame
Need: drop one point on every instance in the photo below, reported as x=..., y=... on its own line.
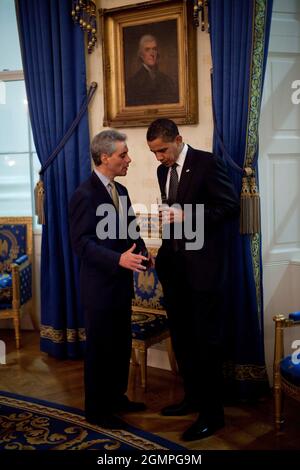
x=281, y=385
x=142, y=345
x=15, y=312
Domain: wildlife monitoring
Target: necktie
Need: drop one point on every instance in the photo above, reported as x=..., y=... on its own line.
x=114, y=194
x=173, y=186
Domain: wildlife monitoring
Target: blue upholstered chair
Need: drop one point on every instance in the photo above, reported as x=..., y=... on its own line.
x=149, y=321
x=15, y=269
x=286, y=368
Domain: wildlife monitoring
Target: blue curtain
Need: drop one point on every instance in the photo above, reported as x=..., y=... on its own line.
x=54, y=68
x=239, y=42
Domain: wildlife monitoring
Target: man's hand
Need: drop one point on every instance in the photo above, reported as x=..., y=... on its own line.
x=131, y=261
x=171, y=215
x=150, y=262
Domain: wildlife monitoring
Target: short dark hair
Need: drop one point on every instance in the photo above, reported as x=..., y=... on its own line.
x=105, y=142
x=164, y=128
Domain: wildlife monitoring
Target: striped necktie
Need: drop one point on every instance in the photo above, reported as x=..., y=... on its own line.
x=114, y=194
x=173, y=186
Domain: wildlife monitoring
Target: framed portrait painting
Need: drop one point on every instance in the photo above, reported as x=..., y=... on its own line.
x=150, y=63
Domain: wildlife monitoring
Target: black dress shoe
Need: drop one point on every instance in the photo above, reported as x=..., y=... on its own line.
x=203, y=428
x=127, y=406
x=178, y=409
x=107, y=421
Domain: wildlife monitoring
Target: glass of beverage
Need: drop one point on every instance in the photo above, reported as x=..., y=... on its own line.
x=146, y=262
x=163, y=209
x=162, y=203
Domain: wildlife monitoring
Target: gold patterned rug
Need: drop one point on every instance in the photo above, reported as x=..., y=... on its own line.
x=31, y=424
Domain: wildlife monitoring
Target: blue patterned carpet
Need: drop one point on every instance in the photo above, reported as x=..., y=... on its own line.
x=31, y=424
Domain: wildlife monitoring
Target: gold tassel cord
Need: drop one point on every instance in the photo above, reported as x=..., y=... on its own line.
x=39, y=191
x=245, y=198
x=250, y=204
x=39, y=196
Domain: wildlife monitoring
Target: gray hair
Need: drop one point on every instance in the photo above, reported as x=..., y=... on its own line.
x=145, y=38
x=105, y=142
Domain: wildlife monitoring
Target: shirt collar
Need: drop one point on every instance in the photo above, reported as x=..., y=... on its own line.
x=104, y=179
x=181, y=158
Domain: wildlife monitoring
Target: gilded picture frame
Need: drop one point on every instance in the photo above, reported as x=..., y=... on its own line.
x=149, y=63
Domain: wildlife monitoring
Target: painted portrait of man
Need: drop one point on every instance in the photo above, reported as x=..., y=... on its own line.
x=151, y=64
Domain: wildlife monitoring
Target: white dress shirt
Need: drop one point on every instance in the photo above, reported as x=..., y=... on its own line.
x=180, y=162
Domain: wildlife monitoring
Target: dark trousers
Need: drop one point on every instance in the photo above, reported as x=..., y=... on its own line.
x=107, y=358
x=194, y=319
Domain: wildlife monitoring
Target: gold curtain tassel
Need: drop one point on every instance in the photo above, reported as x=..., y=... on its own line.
x=39, y=197
x=255, y=205
x=245, y=206
x=250, y=205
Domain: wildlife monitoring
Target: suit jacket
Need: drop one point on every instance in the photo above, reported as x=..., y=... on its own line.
x=204, y=180
x=141, y=89
x=103, y=283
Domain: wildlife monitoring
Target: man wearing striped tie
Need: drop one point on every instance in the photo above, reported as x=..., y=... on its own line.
x=107, y=262
x=192, y=276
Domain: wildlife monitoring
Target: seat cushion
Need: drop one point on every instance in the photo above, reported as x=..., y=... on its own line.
x=5, y=306
x=145, y=325
x=290, y=371
x=25, y=284
x=5, y=280
x=294, y=316
x=5, y=291
x=21, y=259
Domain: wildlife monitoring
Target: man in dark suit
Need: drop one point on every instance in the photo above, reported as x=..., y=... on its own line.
x=193, y=279
x=149, y=85
x=98, y=208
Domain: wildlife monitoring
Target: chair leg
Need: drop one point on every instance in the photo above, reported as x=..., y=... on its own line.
x=278, y=402
x=171, y=356
x=134, y=362
x=143, y=365
x=16, y=320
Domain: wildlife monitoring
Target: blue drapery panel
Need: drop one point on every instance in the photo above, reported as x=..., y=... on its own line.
x=239, y=41
x=54, y=67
